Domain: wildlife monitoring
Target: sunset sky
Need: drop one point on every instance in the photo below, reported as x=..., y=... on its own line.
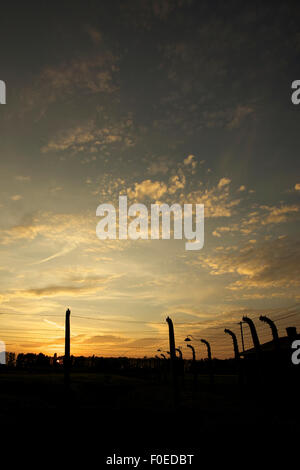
x=175, y=101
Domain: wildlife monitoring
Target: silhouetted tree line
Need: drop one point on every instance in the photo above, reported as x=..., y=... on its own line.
x=265, y=365
x=145, y=366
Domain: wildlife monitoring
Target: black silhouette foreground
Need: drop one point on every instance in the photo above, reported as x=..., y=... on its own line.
x=115, y=399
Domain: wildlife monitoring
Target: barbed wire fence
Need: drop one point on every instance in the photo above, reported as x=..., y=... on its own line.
x=24, y=336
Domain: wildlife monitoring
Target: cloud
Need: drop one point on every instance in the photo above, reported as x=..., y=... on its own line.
x=239, y=114
x=228, y=117
x=266, y=265
x=147, y=188
x=144, y=342
x=278, y=214
x=105, y=339
x=95, y=74
x=64, y=228
x=22, y=178
x=144, y=15
x=90, y=138
x=161, y=166
x=55, y=290
x=64, y=251
x=79, y=287
x=219, y=230
x=53, y=323
x=223, y=182
x=176, y=182
x=94, y=34
x=216, y=203
x=258, y=219
x=56, y=189
x=190, y=160
x=79, y=136
x=16, y=197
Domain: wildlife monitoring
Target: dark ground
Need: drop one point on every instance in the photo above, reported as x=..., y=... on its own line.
x=108, y=413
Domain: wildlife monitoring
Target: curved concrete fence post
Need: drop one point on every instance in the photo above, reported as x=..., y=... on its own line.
x=194, y=368
x=274, y=330
x=235, y=343
x=210, y=365
x=236, y=355
x=254, y=335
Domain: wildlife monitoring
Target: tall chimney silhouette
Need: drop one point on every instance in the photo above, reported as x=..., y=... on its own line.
x=171, y=339
x=67, y=336
x=172, y=356
x=273, y=329
x=67, y=361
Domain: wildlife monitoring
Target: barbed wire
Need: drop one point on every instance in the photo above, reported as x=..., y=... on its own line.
x=221, y=342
